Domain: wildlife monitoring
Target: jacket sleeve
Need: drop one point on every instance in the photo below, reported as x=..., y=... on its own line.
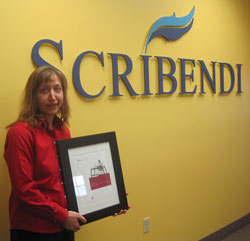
x=19, y=155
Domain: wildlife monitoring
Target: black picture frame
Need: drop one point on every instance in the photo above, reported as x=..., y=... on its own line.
x=92, y=175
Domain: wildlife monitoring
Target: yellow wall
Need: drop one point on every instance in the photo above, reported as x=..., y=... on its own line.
x=185, y=158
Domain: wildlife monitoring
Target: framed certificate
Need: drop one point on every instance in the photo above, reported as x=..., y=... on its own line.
x=92, y=175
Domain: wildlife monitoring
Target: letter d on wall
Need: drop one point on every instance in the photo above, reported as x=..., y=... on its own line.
x=222, y=87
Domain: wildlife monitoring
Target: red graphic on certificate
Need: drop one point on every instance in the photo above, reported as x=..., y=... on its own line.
x=99, y=177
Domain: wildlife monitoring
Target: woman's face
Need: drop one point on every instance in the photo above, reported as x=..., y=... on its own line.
x=50, y=97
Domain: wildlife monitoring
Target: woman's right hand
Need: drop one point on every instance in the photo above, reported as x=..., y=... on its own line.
x=72, y=221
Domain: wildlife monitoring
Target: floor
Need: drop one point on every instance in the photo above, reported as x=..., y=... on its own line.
x=242, y=234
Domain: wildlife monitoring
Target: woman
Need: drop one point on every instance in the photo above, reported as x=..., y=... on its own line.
x=37, y=204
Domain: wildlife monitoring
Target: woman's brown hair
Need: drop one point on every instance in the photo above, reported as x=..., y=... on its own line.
x=29, y=107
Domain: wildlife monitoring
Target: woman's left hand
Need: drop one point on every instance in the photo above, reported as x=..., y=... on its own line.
x=123, y=211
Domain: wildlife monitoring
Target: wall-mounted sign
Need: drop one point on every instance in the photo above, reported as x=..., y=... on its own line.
x=171, y=28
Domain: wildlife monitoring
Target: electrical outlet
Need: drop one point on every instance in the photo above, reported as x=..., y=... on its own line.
x=146, y=225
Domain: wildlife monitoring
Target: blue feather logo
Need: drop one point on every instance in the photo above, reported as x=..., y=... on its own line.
x=171, y=27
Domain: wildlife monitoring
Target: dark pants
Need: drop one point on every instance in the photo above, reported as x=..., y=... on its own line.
x=22, y=235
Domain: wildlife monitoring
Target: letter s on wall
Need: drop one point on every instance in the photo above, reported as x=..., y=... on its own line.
x=38, y=60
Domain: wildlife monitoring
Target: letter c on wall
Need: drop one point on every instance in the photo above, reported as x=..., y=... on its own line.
x=76, y=74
